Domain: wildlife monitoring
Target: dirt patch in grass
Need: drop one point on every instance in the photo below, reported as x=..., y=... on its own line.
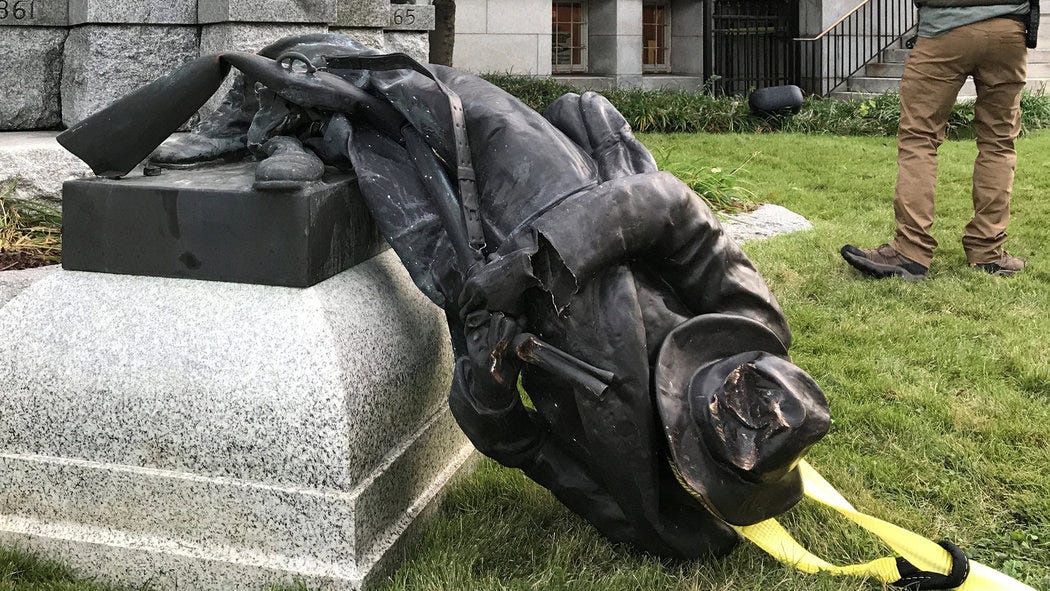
x=15, y=261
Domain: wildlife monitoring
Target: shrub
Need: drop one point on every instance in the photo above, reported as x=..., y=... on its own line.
x=672, y=111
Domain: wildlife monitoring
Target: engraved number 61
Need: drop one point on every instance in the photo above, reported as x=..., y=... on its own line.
x=17, y=10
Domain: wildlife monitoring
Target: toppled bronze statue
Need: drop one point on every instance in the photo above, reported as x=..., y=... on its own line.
x=655, y=357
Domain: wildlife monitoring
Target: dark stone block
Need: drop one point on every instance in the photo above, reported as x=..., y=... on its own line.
x=210, y=224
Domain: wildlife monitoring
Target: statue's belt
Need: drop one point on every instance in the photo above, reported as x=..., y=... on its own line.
x=465, y=176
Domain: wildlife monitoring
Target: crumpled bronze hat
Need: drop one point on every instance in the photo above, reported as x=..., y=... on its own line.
x=738, y=416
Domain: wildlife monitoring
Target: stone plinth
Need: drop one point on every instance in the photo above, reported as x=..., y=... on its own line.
x=362, y=13
x=219, y=436
x=35, y=13
x=172, y=12
x=209, y=223
x=106, y=62
x=30, y=77
x=250, y=37
x=415, y=44
x=269, y=11
x=373, y=38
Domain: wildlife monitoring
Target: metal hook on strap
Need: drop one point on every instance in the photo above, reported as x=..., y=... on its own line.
x=294, y=56
x=914, y=579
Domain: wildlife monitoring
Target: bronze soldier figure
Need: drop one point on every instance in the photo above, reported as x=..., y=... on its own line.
x=664, y=406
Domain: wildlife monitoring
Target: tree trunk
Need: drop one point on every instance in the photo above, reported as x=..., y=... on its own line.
x=443, y=37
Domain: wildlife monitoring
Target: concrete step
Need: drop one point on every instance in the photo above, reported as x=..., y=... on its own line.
x=896, y=70
x=1041, y=55
x=852, y=96
x=894, y=55
x=880, y=70
x=1035, y=56
x=880, y=85
x=863, y=96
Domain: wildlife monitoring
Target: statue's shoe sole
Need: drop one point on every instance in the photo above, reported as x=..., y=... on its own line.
x=280, y=186
x=188, y=165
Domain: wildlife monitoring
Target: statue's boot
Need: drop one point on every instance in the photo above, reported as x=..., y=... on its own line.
x=219, y=136
x=288, y=165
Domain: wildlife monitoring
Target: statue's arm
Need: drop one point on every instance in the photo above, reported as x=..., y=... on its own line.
x=658, y=219
x=500, y=426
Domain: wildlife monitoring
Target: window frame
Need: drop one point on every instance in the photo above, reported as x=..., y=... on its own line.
x=657, y=68
x=581, y=47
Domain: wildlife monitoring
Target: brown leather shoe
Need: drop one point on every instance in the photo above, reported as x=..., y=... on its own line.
x=883, y=262
x=1005, y=265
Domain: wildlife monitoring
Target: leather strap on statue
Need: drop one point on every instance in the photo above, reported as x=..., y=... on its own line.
x=923, y=564
x=465, y=176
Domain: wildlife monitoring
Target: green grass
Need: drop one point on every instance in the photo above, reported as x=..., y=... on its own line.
x=940, y=392
x=20, y=571
x=30, y=234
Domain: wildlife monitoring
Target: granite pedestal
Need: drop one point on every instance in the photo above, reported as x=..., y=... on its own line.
x=219, y=436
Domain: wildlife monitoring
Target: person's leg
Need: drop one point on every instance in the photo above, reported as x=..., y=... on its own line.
x=933, y=75
x=1000, y=78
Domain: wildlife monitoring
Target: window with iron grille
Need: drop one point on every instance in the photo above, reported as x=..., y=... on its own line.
x=569, y=37
x=656, y=37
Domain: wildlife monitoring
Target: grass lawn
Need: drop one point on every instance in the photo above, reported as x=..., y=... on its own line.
x=940, y=393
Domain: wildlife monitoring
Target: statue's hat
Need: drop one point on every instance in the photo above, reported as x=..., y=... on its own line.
x=738, y=416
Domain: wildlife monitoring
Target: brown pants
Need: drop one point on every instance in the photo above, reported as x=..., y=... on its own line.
x=994, y=53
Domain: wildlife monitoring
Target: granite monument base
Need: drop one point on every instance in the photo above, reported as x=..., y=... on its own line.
x=209, y=223
x=218, y=436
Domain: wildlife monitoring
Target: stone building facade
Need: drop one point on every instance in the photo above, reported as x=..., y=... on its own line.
x=66, y=59
x=725, y=45
x=597, y=43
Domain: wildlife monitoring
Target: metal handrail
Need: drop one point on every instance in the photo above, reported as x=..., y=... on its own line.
x=834, y=24
x=829, y=59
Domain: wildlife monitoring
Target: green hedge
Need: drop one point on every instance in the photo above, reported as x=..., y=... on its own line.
x=667, y=111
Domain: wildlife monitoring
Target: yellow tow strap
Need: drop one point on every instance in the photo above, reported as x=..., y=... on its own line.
x=922, y=553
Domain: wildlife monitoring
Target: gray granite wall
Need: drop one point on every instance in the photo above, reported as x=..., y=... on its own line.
x=32, y=43
x=66, y=59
